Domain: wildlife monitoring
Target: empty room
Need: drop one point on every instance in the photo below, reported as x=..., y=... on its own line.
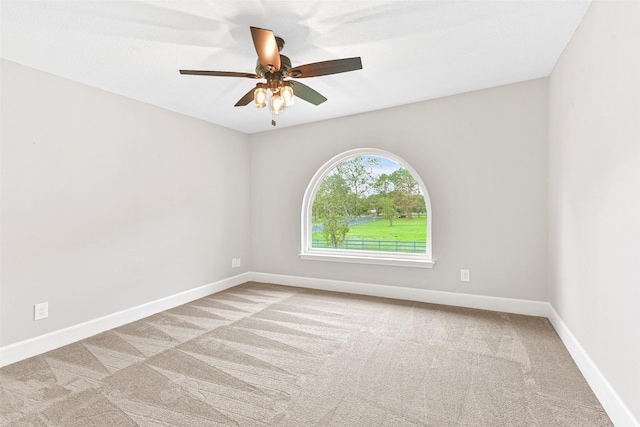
x=320, y=213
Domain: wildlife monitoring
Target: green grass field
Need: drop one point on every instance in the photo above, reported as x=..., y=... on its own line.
x=403, y=230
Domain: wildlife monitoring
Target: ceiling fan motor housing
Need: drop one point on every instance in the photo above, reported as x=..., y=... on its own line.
x=285, y=66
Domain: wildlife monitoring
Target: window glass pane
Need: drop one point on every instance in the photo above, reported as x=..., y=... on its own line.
x=369, y=203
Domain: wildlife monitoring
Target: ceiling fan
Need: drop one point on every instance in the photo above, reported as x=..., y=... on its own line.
x=275, y=68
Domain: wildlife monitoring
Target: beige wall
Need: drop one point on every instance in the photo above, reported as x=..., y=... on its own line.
x=594, y=192
x=483, y=159
x=109, y=203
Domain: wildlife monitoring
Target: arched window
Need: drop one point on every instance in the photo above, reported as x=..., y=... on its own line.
x=368, y=206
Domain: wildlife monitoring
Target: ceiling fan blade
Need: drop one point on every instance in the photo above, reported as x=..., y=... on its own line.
x=245, y=99
x=219, y=73
x=266, y=48
x=306, y=93
x=325, y=68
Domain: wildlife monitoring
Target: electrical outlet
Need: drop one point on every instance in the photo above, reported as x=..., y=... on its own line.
x=41, y=311
x=235, y=262
x=238, y=262
x=464, y=275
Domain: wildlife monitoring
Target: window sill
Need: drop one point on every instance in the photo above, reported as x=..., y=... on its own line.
x=364, y=257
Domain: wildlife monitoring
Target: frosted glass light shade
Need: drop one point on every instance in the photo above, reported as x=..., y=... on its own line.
x=277, y=103
x=286, y=92
x=260, y=97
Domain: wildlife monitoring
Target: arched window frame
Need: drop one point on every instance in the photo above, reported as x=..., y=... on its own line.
x=307, y=252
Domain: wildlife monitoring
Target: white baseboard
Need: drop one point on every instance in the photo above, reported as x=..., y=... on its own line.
x=619, y=413
x=507, y=305
x=32, y=347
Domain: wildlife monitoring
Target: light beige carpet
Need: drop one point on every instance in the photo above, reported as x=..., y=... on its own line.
x=265, y=355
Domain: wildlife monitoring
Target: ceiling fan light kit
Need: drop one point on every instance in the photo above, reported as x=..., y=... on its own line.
x=274, y=68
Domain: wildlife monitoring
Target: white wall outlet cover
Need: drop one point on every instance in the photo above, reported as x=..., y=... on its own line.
x=41, y=311
x=464, y=275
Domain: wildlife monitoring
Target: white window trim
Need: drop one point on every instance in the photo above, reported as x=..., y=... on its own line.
x=355, y=256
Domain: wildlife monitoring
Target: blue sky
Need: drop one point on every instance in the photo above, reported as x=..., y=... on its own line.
x=386, y=166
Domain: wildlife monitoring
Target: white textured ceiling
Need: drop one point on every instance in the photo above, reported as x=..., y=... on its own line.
x=411, y=50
